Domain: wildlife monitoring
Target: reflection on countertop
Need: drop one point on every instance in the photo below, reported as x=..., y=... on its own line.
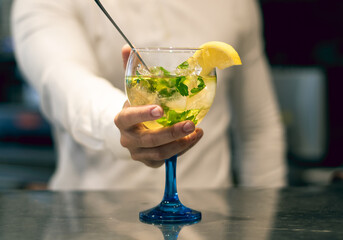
x=237, y=213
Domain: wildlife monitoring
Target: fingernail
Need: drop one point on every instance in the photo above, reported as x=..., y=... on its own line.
x=188, y=127
x=156, y=112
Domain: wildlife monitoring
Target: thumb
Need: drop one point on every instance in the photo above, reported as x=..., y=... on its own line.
x=125, y=52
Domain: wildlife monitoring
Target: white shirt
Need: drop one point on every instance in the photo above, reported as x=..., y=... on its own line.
x=71, y=54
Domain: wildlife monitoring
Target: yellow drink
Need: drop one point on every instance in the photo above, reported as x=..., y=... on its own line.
x=182, y=98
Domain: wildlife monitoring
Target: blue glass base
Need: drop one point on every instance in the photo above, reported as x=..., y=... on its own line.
x=170, y=212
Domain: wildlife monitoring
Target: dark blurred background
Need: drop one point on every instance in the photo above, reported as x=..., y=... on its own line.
x=304, y=44
x=27, y=156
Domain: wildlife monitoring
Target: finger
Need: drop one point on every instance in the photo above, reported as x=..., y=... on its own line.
x=154, y=138
x=159, y=163
x=153, y=164
x=199, y=136
x=126, y=104
x=131, y=116
x=166, y=151
x=125, y=53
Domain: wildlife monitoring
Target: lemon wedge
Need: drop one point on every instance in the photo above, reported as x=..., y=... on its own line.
x=216, y=55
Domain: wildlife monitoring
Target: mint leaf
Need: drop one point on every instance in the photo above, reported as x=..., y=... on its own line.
x=164, y=87
x=181, y=87
x=149, y=84
x=173, y=117
x=163, y=121
x=192, y=114
x=183, y=65
x=146, y=83
x=165, y=72
x=201, y=86
x=166, y=92
x=164, y=107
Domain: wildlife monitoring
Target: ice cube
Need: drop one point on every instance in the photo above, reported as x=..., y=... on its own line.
x=159, y=71
x=204, y=98
x=192, y=69
x=142, y=70
x=197, y=69
x=177, y=104
x=139, y=96
x=181, y=72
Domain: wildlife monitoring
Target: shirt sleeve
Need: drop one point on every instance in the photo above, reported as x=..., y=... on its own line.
x=57, y=59
x=259, y=154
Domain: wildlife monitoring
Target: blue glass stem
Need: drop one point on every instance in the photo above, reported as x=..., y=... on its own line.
x=170, y=191
x=170, y=210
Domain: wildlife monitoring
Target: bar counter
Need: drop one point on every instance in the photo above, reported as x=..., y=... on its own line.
x=236, y=213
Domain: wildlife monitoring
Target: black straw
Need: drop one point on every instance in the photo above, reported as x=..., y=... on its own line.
x=119, y=30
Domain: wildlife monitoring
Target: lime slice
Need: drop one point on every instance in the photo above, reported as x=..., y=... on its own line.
x=216, y=54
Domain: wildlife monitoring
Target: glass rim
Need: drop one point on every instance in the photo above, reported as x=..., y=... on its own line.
x=164, y=49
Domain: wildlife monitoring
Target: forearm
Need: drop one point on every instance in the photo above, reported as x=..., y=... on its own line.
x=55, y=56
x=82, y=104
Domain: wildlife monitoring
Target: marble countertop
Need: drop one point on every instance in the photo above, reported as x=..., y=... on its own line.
x=236, y=213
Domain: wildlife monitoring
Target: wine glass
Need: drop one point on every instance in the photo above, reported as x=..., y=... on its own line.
x=173, y=80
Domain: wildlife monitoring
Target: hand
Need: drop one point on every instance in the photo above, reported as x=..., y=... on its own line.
x=149, y=146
